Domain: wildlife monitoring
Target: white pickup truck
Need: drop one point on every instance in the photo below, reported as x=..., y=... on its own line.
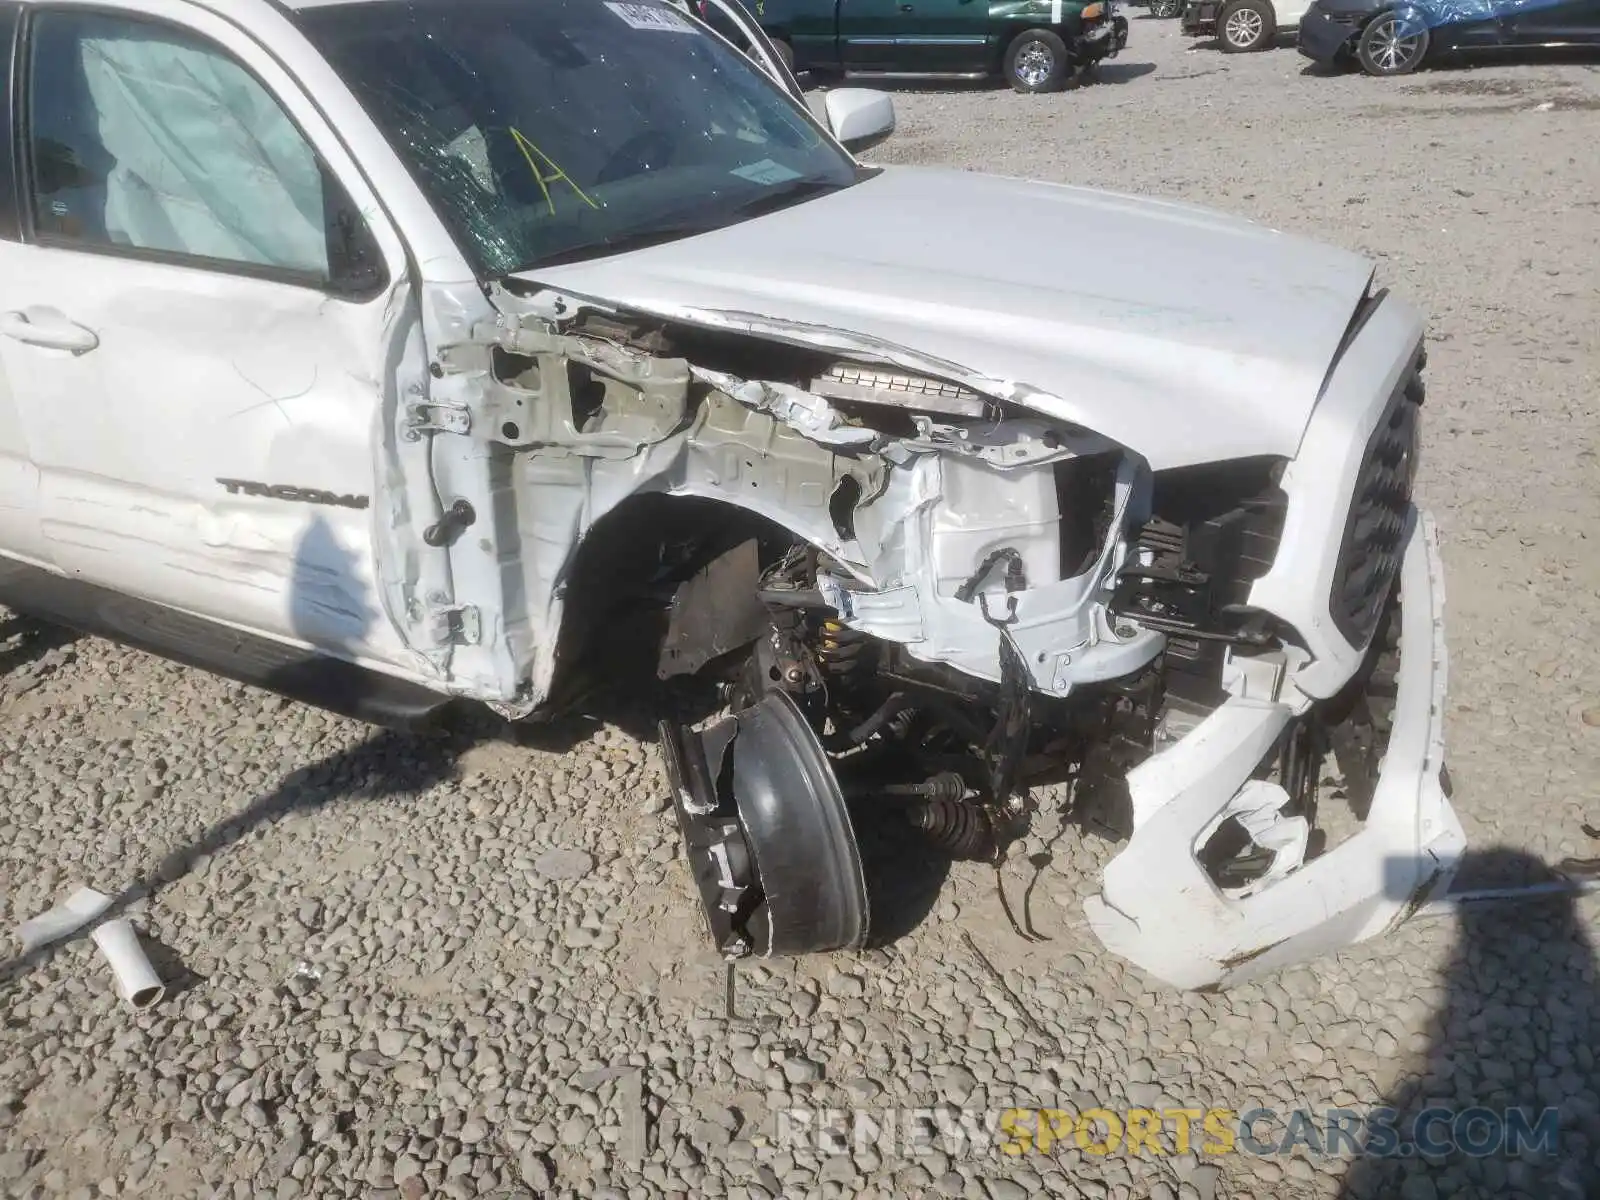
x=399, y=354
x=1242, y=25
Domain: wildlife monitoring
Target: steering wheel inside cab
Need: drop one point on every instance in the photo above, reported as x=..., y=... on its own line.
x=648, y=150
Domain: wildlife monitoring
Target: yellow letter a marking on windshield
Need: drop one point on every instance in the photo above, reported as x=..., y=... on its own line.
x=545, y=172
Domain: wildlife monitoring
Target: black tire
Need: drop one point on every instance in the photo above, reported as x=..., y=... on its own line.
x=785, y=52
x=1391, y=45
x=1166, y=9
x=1037, y=61
x=1246, y=25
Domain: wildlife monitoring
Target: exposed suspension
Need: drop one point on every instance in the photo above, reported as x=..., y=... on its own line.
x=959, y=829
x=844, y=652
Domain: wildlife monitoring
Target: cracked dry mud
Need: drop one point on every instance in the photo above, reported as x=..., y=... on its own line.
x=403, y=968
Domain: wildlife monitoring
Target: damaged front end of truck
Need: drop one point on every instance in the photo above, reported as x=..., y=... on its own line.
x=912, y=587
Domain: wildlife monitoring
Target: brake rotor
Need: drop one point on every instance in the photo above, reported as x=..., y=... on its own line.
x=766, y=833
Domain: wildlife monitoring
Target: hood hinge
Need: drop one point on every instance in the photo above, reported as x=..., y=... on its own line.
x=436, y=418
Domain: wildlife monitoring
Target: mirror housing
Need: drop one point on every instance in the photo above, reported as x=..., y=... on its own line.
x=860, y=118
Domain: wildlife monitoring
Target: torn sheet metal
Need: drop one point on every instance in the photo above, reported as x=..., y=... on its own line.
x=810, y=414
x=535, y=389
x=1159, y=908
x=729, y=452
x=1019, y=442
x=551, y=308
x=906, y=518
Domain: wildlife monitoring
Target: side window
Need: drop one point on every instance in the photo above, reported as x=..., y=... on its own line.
x=10, y=222
x=151, y=141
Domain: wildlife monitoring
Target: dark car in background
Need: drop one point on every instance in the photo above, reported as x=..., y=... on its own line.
x=1037, y=45
x=1386, y=38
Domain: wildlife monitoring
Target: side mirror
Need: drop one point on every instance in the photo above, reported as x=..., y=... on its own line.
x=860, y=118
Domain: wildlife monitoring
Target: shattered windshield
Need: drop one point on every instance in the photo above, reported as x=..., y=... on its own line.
x=545, y=131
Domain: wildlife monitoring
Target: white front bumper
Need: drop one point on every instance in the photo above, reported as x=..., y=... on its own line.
x=1159, y=909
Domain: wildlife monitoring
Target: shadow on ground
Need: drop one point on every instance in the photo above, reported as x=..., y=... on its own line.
x=385, y=767
x=1116, y=72
x=24, y=641
x=903, y=874
x=1513, y=56
x=1518, y=1031
x=329, y=609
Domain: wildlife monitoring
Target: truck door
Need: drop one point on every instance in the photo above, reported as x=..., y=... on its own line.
x=943, y=36
x=1548, y=22
x=869, y=33
x=199, y=329
x=19, y=478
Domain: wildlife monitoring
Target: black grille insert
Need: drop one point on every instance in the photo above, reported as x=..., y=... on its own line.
x=1380, y=509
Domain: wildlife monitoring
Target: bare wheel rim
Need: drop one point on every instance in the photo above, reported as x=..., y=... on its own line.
x=1244, y=26
x=1392, y=48
x=1034, y=63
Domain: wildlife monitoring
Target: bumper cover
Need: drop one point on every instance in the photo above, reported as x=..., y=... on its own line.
x=1105, y=40
x=1323, y=39
x=1158, y=907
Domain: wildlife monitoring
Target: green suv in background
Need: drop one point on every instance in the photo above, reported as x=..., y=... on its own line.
x=1036, y=44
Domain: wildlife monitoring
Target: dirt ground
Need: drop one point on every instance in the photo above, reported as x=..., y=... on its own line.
x=404, y=968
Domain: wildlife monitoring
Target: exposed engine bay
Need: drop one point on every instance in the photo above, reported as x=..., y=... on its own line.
x=906, y=590
x=866, y=722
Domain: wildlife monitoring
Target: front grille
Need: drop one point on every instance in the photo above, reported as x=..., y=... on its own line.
x=1375, y=531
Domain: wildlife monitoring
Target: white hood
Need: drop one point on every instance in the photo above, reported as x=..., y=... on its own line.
x=1184, y=334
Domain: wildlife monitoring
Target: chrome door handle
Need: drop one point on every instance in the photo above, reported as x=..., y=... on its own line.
x=48, y=328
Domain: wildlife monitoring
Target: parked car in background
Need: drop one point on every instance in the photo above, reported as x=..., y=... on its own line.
x=1389, y=39
x=1242, y=25
x=1037, y=45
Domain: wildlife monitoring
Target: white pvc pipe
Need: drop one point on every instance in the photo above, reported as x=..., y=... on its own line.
x=71, y=915
x=137, y=980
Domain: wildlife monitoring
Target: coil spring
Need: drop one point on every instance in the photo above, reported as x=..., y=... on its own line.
x=842, y=650
x=959, y=829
